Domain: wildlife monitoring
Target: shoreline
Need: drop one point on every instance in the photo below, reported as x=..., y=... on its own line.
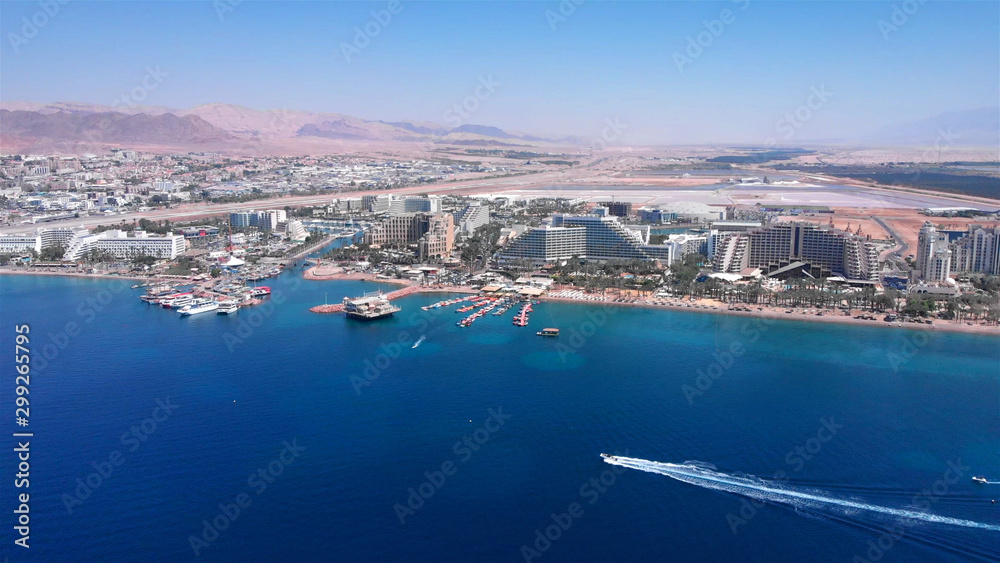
x=4, y=271
x=796, y=315
x=700, y=306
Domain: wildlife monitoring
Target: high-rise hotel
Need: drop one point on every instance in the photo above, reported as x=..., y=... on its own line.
x=817, y=250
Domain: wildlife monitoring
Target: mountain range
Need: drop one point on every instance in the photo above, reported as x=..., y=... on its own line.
x=76, y=127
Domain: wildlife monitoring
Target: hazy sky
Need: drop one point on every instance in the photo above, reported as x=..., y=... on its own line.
x=551, y=73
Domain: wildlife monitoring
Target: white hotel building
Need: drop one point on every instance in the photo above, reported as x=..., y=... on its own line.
x=594, y=238
x=78, y=242
x=120, y=245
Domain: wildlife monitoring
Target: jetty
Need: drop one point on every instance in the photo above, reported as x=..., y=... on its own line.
x=339, y=307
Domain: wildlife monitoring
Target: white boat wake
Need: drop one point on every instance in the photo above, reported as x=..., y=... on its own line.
x=770, y=491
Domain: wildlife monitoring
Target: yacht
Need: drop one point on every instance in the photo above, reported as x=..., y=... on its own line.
x=228, y=307
x=177, y=301
x=200, y=306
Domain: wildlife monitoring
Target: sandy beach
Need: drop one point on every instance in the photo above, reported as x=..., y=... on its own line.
x=779, y=313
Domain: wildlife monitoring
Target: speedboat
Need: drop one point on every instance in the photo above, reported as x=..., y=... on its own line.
x=608, y=456
x=980, y=479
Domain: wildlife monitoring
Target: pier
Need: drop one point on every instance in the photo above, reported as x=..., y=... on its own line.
x=339, y=307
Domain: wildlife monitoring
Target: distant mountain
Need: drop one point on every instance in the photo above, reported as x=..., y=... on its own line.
x=979, y=127
x=40, y=126
x=41, y=131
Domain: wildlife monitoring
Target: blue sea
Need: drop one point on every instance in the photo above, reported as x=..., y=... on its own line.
x=277, y=434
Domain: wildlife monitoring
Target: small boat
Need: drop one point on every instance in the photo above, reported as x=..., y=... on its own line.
x=608, y=456
x=980, y=479
x=419, y=342
x=548, y=332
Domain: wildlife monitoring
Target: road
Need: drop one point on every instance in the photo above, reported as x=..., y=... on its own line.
x=901, y=245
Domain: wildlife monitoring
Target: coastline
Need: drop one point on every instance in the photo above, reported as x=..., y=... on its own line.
x=705, y=307
x=318, y=273
x=4, y=271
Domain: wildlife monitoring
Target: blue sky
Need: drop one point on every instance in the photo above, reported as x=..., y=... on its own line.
x=603, y=61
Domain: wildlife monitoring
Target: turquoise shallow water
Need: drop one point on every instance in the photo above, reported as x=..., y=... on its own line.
x=370, y=418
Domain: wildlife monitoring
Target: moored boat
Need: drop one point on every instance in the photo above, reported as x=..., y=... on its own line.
x=228, y=307
x=200, y=306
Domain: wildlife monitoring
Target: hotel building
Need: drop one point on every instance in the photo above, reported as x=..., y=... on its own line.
x=818, y=251
x=593, y=238
x=933, y=254
x=978, y=251
x=433, y=233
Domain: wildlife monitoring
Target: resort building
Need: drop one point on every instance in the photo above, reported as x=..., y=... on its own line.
x=264, y=219
x=439, y=240
x=978, y=251
x=376, y=203
x=433, y=233
x=474, y=215
x=122, y=244
x=933, y=255
x=18, y=244
x=414, y=204
x=797, y=247
x=43, y=238
x=594, y=238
